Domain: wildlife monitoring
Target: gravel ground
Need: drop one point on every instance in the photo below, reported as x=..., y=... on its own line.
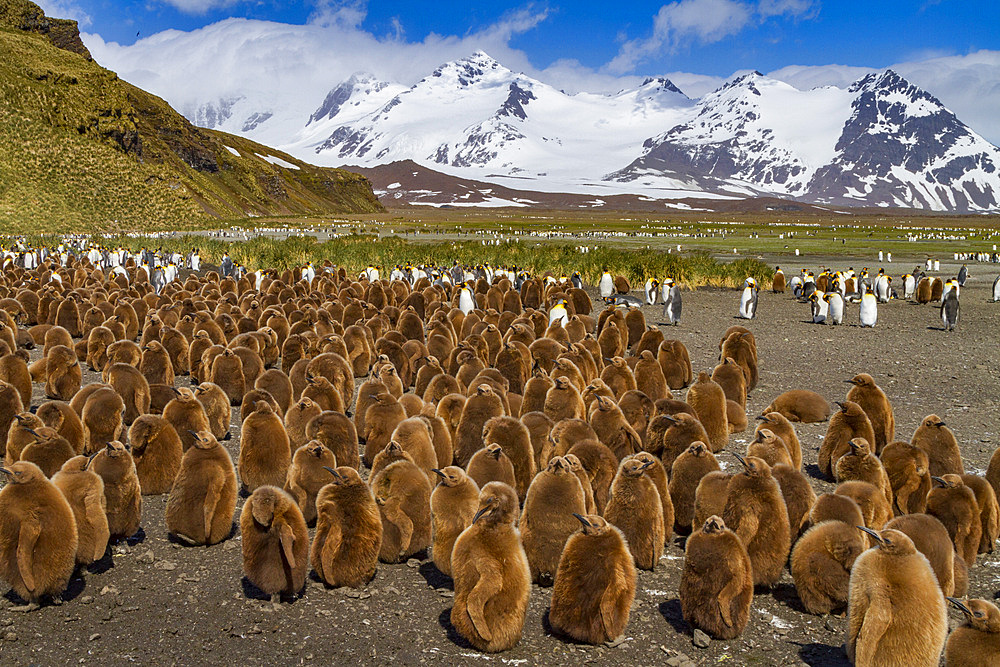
x=163, y=603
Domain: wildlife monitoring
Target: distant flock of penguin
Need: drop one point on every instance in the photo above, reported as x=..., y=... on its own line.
x=500, y=423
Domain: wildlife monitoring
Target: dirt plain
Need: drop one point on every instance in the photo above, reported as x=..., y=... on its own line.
x=162, y=603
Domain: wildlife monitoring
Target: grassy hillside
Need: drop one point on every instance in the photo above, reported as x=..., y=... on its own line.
x=82, y=149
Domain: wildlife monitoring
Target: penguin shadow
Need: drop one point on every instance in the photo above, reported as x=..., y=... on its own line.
x=251, y=592
x=136, y=538
x=812, y=470
x=444, y=620
x=671, y=612
x=937, y=328
x=786, y=595
x=174, y=539
x=434, y=577
x=103, y=564
x=822, y=655
x=77, y=584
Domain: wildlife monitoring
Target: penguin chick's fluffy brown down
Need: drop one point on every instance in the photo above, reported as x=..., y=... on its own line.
x=307, y=474
x=348, y=530
x=717, y=581
x=595, y=583
x=635, y=508
x=896, y=614
x=547, y=521
x=821, y=565
x=37, y=534
x=976, y=642
x=84, y=490
x=403, y=494
x=121, y=489
x=265, y=452
x=454, y=502
x=756, y=512
x=203, y=498
x=490, y=570
x=275, y=542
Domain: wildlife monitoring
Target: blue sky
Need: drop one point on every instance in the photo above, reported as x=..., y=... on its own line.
x=713, y=37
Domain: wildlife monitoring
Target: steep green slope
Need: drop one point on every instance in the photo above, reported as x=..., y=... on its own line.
x=82, y=149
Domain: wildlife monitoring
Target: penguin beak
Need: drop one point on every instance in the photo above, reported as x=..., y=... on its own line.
x=4, y=471
x=739, y=458
x=582, y=519
x=671, y=419
x=646, y=465
x=177, y=392
x=31, y=431
x=842, y=406
x=332, y=472
x=874, y=535
x=761, y=418
x=90, y=459
x=940, y=424
x=482, y=510
x=438, y=472
x=850, y=382
x=939, y=480
x=959, y=605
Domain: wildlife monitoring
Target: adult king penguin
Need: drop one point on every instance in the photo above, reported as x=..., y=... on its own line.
x=559, y=312
x=836, y=307
x=748, y=300
x=607, y=285
x=820, y=307
x=466, y=302
x=996, y=290
x=671, y=302
x=963, y=275
x=950, y=310
x=651, y=287
x=869, y=308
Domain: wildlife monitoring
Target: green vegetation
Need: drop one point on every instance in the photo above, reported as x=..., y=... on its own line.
x=81, y=149
x=355, y=252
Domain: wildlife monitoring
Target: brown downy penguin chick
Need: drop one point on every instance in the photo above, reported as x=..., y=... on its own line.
x=203, y=498
x=821, y=565
x=514, y=438
x=275, y=543
x=870, y=499
x=187, y=415
x=217, y=408
x=576, y=466
x=155, y=364
x=676, y=363
x=710, y=496
x=10, y=406
x=896, y=614
x=63, y=374
x=382, y=416
x=20, y=435
x=491, y=464
x=716, y=587
x=830, y=506
x=14, y=371
x=403, y=495
x=307, y=474
x=390, y=454
x=63, y=418
x=595, y=583
x=102, y=419
x=658, y=474
x=989, y=512
x=491, y=575
x=736, y=417
x=133, y=388
x=954, y=504
x=977, y=641
x=800, y=405
x=612, y=429
x=781, y=427
x=756, y=512
x=37, y=534
x=84, y=490
x=49, y=450
x=480, y=407
x=157, y=452
x=121, y=489
x=683, y=431
x=797, y=492
x=709, y=401
x=861, y=464
x=264, y=449
x=601, y=467
x=931, y=538
x=297, y=419
x=649, y=377
x=348, y=530
x=936, y=440
x=685, y=474
x=906, y=467
x=770, y=448
x=454, y=502
x=563, y=401
x=227, y=372
x=547, y=521
x=876, y=405
x=635, y=508
x=729, y=375
x=848, y=423
x=413, y=435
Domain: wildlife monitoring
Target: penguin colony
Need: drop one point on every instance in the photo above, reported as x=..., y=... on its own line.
x=500, y=424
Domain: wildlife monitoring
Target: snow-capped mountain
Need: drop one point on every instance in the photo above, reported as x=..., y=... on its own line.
x=879, y=142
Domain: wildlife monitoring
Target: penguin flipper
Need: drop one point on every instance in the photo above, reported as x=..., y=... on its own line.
x=394, y=514
x=609, y=602
x=213, y=492
x=28, y=536
x=488, y=585
x=287, y=540
x=878, y=617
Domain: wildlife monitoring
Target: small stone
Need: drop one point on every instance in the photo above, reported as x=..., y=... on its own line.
x=94, y=637
x=10, y=636
x=166, y=565
x=109, y=590
x=146, y=558
x=700, y=639
x=616, y=642
x=828, y=624
x=413, y=562
x=446, y=593
x=87, y=599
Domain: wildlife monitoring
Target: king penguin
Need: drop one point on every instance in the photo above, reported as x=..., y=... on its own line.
x=869, y=308
x=558, y=312
x=963, y=275
x=607, y=285
x=836, y=307
x=748, y=300
x=466, y=302
x=996, y=290
x=820, y=307
x=950, y=310
x=671, y=302
x=651, y=286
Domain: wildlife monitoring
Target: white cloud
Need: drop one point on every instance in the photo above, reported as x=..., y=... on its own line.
x=65, y=9
x=198, y=6
x=704, y=21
